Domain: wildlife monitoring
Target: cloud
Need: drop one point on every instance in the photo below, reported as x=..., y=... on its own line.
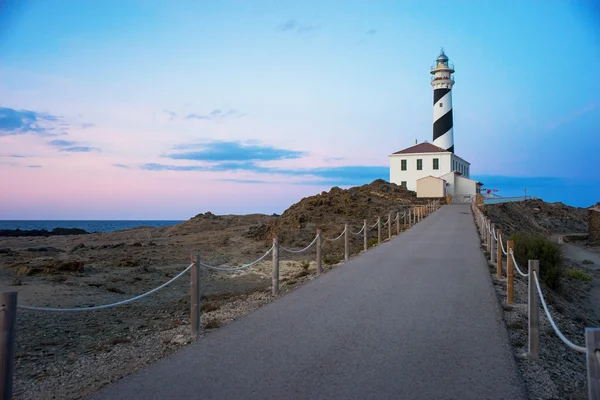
x=61, y=143
x=122, y=166
x=171, y=114
x=371, y=31
x=162, y=167
x=14, y=156
x=20, y=122
x=292, y=25
x=342, y=175
x=79, y=149
x=248, y=181
x=34, y=166
x=214, y=114
x=86, y=125
x=570, y=117
x=232, y=151
x=69, y=146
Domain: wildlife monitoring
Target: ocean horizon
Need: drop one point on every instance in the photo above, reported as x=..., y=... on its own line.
x=87, y=225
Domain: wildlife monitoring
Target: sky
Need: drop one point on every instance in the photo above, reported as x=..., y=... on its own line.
x=138, y=109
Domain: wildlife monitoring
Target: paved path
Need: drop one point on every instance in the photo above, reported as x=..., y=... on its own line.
x=415, y=318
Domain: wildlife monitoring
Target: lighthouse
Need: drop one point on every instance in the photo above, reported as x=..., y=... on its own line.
x=442, y=82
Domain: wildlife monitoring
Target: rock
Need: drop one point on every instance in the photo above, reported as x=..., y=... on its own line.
x=78, y=247
x=115, y=290
x=179, y=339
x=587, y=262
x=17, y=282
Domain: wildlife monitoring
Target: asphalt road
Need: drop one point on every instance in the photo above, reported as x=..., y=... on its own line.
x=414, y=318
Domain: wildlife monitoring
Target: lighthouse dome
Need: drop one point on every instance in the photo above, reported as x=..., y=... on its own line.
x=442, y=57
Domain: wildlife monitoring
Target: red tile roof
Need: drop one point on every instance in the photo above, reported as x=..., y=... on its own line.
x=422, y=148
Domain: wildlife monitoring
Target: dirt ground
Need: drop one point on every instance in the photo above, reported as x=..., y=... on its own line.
x=69, y=355
x=559, y=373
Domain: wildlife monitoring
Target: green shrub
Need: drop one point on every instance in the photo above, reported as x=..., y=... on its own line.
x=577, y=274
x=305, y=264
x=371, y=242
x=330, y=259
x=532, y=247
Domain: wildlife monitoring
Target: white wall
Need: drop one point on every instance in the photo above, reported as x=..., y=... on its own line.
x=412, y=174
x=460, y=165
x=463, y=186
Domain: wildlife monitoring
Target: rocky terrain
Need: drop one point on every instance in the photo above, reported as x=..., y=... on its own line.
x=69, y=355
x=559, y=373
x=538, y=217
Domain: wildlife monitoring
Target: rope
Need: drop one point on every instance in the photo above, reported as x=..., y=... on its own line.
x=118, y=303
x=373, y=226
x=502, y=245
x=359, y=232
x=241, y=266
x=512, y=255
x=495, y=236
x=558, y=332
x=333, y=240
x=301, y=250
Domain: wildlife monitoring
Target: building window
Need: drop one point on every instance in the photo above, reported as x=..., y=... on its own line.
x=441, y=105
x=419, y=164
x=436, y=163
x=403, y=184
x=403, y=165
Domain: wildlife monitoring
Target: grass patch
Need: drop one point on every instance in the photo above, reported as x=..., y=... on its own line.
x=330, y=260
x=212, y=323
x=532, y=247
x=301, y=274
x=371, y=243
x=305, y=264
x=291, y=282
x=210, y=306
x=577, y=274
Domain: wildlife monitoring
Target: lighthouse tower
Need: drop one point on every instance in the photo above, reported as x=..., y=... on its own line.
x=442, y=82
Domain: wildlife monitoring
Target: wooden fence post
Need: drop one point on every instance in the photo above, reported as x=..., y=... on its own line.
x=534, y=311
x=319, y=255
x=499, y=255
x=276, y=266
x=488, y=241
x=404, y=218
x=409, y=218
x=389, y=226
x=592, y=344
x=509, y=273
x=346, y=242
x=365, y=235
x=397, y=223
x=195, y=298
x=8, y=322
x=492, y=244
x=378, y=230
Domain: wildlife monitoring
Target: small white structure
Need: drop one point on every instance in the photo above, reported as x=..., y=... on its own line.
x=421, y=160
x=461, y=188
x=430, y=187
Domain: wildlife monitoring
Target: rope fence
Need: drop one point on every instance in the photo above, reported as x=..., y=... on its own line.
x=492, y=239
x=10, y=306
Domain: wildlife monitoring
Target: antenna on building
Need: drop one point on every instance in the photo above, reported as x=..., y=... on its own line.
x=415, y=141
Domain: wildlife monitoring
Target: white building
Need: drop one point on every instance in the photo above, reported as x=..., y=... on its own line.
x=421, y=160
x=421, y=167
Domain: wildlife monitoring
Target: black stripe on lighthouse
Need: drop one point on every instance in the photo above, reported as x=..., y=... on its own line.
x=444, y=123
x=438, y=94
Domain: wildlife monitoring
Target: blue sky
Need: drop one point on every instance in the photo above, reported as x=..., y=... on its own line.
x=155, y=109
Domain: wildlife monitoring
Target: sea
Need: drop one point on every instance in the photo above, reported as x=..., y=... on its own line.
x=89, y=226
